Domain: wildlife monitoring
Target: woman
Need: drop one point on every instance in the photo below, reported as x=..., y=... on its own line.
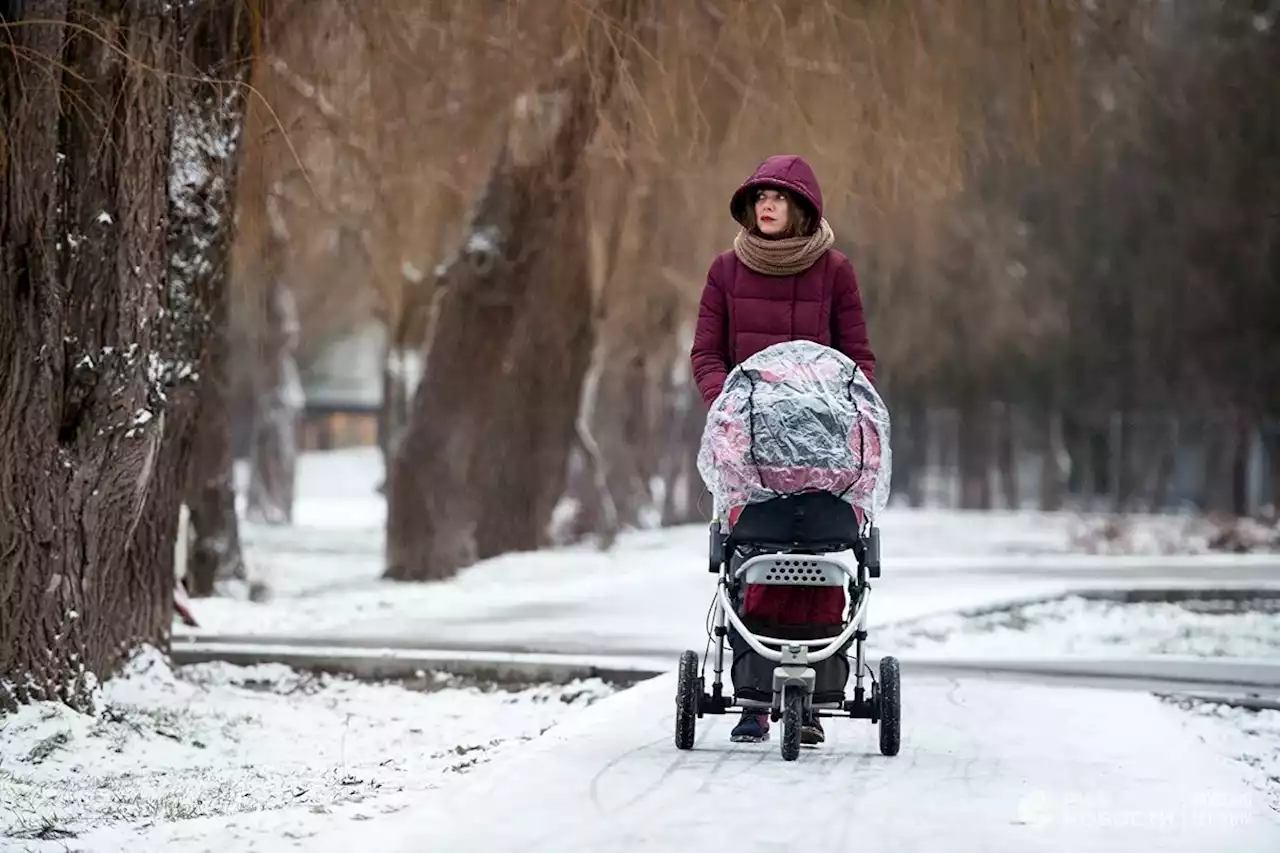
x=781, y=282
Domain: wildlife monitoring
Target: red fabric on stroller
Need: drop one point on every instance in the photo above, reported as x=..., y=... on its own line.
x=793, y=605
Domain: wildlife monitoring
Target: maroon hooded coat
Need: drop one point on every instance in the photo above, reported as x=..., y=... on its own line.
x=743, y=312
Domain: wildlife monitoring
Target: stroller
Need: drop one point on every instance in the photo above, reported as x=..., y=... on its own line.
x=796, y=455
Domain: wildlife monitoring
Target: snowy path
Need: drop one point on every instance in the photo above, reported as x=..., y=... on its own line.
x=986, y=766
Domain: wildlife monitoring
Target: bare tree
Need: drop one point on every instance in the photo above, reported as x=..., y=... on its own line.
x=86, y=107
x=203, y=180
x=525, y=240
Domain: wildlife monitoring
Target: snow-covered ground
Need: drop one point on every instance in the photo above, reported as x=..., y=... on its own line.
x=1080, y=625
x=1250, y=737
x=1104, y=627
x=214, y=739
x=227, y=758
x=984, y=766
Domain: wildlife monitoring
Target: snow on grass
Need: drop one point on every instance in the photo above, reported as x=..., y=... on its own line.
x=1173, y=533
x=1079, y=625
x=1250, y=737
x=216, y=739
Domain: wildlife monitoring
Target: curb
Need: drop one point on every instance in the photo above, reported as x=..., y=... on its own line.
x=386, y=663
x=1236, y=679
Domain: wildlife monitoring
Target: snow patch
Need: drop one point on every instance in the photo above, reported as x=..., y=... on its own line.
x=1076, y=625
x=484, y=240
x=411, y=273
x=1250, y=737
x=217, y=739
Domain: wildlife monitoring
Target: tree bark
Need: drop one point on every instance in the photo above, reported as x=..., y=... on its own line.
x=1007, y=455
x=1167, y=461
x=214, y=552
x=83, y=219
x=914, y=441
x=975, y=455
x=688, y=500
x=1215, y=488
x=1241, y=447
x=1055, y=467
x=1271, y=439
x=515, y=244
x=393, y=411
x=519, y=475
x=278, y=395
x=202, y=189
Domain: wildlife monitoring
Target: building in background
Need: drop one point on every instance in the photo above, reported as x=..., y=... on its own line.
x=343, y=388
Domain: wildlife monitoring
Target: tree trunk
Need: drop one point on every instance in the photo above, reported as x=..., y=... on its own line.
x=82, y=247
x=1241, y=447
x=214, y=552
x=202, y=194
x=671, y=465
x=975, y=455
x=914, y=443
x=1166, y=465
x=1007, y=455
x=393, y=414
x=1124, y=463
x=1215, y=490
x=519, y=476
x=1271, y=439
x=695, y=503
x=1056, y=467
x=278, y=401
x=514, y=245
x=589, y=471
x=621, y=425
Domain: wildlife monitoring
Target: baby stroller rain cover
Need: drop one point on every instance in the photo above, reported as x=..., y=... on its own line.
x=795, y=417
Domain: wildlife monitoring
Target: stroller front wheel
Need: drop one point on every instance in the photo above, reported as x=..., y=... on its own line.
x=792, y=718
x=890, y=699
x=687, y=700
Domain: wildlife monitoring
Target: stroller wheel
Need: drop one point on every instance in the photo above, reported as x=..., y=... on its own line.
x=792, y=719
x=686, y=700
x=890, y=706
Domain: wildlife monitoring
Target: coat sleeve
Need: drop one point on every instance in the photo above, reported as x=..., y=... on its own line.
x=710, y=356
x=849, y=322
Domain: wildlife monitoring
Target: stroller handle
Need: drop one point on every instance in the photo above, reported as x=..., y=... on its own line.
x=832, y=646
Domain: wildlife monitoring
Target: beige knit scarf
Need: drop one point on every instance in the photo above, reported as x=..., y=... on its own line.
x=786, y=256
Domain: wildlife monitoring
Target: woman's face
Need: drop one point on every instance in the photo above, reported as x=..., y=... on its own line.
x=773, y=213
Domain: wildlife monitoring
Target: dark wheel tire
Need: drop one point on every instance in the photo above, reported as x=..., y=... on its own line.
x=687, y=700
x=890, y=706
x=792, y=719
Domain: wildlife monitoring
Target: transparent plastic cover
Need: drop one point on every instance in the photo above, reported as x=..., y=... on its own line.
x=796, y=417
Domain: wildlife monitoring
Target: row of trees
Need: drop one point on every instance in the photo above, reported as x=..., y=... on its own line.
x=554, y=325
x=1066, y=209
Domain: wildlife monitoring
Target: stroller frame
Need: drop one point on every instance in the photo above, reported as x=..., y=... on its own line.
x=806, y=564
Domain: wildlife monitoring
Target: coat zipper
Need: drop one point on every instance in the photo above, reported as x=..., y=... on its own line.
x=793, y=307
